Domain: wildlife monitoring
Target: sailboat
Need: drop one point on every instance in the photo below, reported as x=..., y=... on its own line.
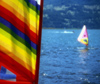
x=83, y=36
x=20, y=41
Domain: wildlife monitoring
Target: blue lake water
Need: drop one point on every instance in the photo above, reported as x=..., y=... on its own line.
x=66, y=61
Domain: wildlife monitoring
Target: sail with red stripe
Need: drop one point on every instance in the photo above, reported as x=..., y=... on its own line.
x=20, y=40
x=83, y=36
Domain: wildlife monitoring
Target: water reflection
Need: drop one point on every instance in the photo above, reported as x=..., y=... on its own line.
x=84, y=70
x=83, y=54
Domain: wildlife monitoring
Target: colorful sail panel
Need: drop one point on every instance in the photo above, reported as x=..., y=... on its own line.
x=83, y=37
x=20, y=40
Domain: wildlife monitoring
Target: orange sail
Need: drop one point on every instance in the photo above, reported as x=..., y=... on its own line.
x=20, y=40
x=83, y=37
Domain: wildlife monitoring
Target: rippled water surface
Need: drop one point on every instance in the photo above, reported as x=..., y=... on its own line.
x=66, y=61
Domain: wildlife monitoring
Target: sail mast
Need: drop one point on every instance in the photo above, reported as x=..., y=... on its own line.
x=39, y=43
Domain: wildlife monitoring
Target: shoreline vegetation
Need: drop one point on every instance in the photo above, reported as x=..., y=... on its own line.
x=68, y=28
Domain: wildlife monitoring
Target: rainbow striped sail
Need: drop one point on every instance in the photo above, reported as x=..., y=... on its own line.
x=20, y=40
x=83, y=37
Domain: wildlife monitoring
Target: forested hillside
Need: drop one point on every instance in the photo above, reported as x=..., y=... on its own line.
x=71, y=13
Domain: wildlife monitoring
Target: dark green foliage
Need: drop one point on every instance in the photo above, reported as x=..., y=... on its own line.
x=71, y=13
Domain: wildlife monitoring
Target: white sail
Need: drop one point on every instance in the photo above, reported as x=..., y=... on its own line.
x=83, y=36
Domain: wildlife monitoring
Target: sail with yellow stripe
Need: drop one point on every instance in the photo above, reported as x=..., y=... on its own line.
x=83, y=36
x=20, y=40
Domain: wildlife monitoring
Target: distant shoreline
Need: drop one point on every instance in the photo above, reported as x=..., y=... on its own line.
x=59, y=28
x=68, y=28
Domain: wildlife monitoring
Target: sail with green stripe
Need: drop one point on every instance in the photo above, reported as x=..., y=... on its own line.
x=20, y=41
x=83, y=36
